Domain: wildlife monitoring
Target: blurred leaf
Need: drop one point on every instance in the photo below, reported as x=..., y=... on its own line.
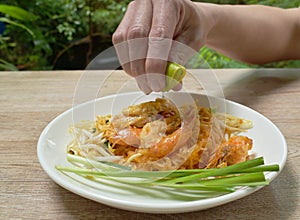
x=4, y=65
x=17, y=13
x=6, y=20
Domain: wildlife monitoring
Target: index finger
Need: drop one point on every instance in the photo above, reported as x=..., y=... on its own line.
x=165, y=18
x=119, y=38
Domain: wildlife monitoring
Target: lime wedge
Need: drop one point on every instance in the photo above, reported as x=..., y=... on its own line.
x=174, y=75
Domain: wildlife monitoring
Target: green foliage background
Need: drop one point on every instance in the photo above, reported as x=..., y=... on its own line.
x=53, y=28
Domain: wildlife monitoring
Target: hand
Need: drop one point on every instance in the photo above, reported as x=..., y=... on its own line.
x=153, y=32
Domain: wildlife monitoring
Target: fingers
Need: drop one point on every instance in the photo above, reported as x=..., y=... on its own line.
x=160, y=40
x=178, y=87
x=119, y=38
x=131, y=40
x=144, y=43
x=137, y=36
x=142, y=82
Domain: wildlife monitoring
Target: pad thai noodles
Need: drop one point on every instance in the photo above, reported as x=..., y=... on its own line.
x=157, y=135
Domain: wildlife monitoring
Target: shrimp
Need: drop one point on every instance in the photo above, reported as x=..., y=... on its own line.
x=144, y=137
x=127, y=136
x=233, y=151
x=152, y=125
x=167, y=144
x=139, y=115
x=142, y=149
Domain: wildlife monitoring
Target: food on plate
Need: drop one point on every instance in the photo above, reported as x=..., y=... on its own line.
x=159, y=135
x=185, y=151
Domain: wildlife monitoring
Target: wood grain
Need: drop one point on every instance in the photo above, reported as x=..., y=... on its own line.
x=30, y=100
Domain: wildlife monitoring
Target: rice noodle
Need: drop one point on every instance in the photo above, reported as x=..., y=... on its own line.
x=202, y=139
x=108, y=158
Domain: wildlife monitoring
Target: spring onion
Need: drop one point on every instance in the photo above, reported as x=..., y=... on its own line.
x=211, y=182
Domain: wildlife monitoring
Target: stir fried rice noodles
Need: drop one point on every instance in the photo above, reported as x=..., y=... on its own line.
x=158, y=135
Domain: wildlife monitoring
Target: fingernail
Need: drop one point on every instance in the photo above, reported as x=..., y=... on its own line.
x=178, y=87
x=145, y=88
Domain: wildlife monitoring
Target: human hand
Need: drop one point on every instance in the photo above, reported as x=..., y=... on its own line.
x=153, y=32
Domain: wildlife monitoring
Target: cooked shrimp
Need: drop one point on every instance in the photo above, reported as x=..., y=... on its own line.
x=139, y=115
x=169, y=142
x=128, y=136
x=144, y=137
x=233, y=151
x=152, y=133
x=163, y=147
x=156, y=143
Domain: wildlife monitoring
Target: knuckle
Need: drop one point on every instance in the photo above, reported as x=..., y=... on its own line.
x=131, y=4
x=137, y=32
x=160, y=31
x=178, y=57
x=118, y=37
x=137, y=68
x=155, y=66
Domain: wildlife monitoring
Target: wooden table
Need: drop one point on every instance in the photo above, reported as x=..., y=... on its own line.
x=30, y=100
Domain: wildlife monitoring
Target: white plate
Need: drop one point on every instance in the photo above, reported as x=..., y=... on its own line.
x=268, y=142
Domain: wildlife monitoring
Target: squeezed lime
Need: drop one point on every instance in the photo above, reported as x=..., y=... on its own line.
x=174, y=75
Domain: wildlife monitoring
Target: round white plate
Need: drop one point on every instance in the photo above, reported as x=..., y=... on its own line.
x=51, y=150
